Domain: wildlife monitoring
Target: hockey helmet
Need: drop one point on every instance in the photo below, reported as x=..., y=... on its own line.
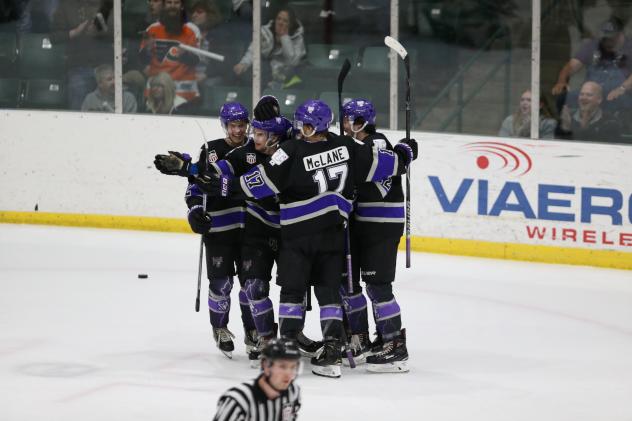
x=232, y=111
x=314, y=112
x=359, y=108
x=276, y=126
x=281, y=349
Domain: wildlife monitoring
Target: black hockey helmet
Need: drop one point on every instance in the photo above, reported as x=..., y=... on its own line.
x=281, y=349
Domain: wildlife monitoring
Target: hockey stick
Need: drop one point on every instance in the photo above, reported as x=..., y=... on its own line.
x=200, y=52
x=199, y=279
x=394, y=45
x=344, y=71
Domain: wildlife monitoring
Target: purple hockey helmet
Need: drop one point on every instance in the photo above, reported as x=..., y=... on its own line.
x=276, y=125
x=359, y=108
x=232, y=111
x=314, y=112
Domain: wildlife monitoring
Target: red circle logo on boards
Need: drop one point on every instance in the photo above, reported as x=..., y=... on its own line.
x=498, y=155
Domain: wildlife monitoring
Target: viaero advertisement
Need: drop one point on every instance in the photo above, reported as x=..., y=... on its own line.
x=524, y=191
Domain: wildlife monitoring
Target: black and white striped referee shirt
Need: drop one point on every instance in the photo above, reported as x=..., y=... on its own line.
x=247, y=402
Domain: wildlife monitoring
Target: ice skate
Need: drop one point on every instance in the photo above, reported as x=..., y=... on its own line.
x=393, y=358
x=377, y=344
x=308, y=347
x=251, y=340
x=360, y=348
x=328, y=362
x=224, y=340
x=254, y=356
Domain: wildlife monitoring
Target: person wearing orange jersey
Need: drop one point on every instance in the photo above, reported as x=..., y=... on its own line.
x=160, y=51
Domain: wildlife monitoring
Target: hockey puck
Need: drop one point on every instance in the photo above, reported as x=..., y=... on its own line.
x=143, y=276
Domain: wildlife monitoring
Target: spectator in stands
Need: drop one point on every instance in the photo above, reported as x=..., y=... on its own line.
x=215, y=36
x=154, y=7
x=608, y=61
x=88, y=43
x=102, y=99
x=589, y=121
x=282, y=46
x=160, y=50
x=243, y=8
x=519, y=123
x=162, y=98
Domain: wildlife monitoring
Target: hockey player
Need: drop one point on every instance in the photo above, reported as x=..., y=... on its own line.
x=261, y=240
x=273, y=396
x=221, y=224
x=314, y=178
x=260, y=246
x=376, y=227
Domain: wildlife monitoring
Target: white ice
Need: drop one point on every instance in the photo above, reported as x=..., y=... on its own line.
x=82, y=338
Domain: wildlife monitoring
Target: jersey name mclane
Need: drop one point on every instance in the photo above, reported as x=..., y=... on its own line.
x=325, y=159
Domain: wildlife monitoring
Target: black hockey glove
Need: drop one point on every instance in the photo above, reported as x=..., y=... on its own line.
x=409, y=147
x=267, y=108
x=221, y=186
x=175, y=163
x=199, y=220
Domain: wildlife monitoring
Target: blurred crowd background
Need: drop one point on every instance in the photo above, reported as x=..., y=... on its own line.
x=470, y=60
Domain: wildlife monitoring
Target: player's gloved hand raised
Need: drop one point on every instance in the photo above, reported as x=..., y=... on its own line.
x=199, y=220
x=267, y=108
x=175, y=163
x=410, y=147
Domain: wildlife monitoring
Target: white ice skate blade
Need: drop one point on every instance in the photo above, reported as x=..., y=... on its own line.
x=333, y=371
x=228, y=354
x=394, y=367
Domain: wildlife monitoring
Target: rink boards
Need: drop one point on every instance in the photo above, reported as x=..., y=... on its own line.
x=563, y=202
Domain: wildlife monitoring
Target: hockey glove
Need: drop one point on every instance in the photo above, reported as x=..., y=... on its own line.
x=199, y=220
x=409, y=147
x=221, y=186
x=175, y=163
x=267, y=108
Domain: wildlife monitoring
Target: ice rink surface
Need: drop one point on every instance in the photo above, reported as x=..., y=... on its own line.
x=82, y=338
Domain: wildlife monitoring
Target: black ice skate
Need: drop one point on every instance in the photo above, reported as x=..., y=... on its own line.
x=328, y=362
x=251, y=339
x=377, y=344
x=254, y=356
x=308, y=347
x=392, y=359
x=360, y=348
x=224, y=340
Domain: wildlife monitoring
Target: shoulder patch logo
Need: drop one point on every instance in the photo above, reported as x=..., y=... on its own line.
x=251, y=158
x=278, y=157
x=212, y=156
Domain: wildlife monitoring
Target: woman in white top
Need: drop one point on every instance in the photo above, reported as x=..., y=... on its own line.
x=282, y=44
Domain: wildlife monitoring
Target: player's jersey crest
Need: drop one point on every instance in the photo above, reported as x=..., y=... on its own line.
x=251, y=158
x=212, y=156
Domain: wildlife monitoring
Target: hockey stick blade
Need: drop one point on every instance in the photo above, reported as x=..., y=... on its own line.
x=393, y=44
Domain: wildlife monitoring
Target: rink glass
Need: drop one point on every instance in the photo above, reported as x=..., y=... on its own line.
x=470, y=59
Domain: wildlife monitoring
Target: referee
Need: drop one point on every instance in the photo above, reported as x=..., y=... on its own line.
x=273, y=396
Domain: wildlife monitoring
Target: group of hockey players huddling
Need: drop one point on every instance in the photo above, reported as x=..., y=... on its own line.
x=299, y=195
